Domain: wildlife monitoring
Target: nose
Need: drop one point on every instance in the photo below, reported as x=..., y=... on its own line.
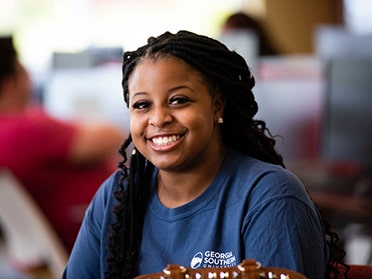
x=160, y=116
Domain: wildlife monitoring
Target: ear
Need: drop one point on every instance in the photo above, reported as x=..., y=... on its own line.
x=219, y=104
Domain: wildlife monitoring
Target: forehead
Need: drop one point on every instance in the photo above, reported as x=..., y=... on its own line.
x=165, y=69
x=164, y=62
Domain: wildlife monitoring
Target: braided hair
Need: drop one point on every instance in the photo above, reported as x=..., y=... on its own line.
x=224, y=71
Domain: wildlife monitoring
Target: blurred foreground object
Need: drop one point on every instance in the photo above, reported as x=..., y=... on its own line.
x=30, y=240
x=246, y=270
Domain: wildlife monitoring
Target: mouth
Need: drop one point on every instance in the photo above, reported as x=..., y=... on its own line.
x=165, y=140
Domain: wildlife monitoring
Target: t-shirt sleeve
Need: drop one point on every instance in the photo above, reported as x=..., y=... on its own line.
x=87, y=259
x=285, y=230
x=84, y=261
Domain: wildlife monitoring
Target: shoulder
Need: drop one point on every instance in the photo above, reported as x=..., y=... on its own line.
x=252, y=168
x=261, y=180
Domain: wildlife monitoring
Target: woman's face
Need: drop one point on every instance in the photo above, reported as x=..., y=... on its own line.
x=173, y=117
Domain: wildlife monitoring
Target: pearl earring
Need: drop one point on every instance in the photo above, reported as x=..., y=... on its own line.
x=220, y=120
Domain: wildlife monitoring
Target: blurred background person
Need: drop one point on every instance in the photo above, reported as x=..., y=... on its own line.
x=60, y=163
x=240, y=21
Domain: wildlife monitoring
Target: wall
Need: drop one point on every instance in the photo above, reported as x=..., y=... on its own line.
x=291, y=22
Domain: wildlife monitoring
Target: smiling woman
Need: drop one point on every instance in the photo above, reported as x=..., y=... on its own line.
x=204, y=187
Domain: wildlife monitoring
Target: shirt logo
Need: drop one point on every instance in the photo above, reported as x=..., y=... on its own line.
x=197, y=260
x=213, y=259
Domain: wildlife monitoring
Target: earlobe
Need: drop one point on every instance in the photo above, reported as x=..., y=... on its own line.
x=219, y=105
x=220, y=120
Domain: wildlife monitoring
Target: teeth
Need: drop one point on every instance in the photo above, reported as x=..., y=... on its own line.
x=165, y=140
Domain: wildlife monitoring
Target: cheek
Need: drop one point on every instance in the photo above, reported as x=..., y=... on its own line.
x=138, y=126
x=135, y=126
x=201, y=119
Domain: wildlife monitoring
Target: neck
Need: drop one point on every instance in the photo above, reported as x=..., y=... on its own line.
x=177, y=189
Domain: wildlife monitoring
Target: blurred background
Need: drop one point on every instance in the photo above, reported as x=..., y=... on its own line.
x=315, y=93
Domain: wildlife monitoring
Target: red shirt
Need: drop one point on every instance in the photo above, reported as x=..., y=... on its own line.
x=34, y=147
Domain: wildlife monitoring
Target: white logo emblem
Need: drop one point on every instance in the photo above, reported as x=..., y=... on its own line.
x=197, y=260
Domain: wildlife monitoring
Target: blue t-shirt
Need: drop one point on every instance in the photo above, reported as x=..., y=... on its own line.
x=251, y=210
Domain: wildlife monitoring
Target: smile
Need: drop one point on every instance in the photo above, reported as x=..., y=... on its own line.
x=162, y=141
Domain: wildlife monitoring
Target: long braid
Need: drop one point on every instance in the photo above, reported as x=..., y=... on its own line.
x=117, y=229
x=126, y=231
x=226, y=73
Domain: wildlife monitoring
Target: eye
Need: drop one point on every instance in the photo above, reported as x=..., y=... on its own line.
x=141, y=105
x=179, y=100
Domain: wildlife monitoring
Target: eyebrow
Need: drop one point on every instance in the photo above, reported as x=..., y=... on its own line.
x=138, y=93
x=169, y=91
x=180, y=87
